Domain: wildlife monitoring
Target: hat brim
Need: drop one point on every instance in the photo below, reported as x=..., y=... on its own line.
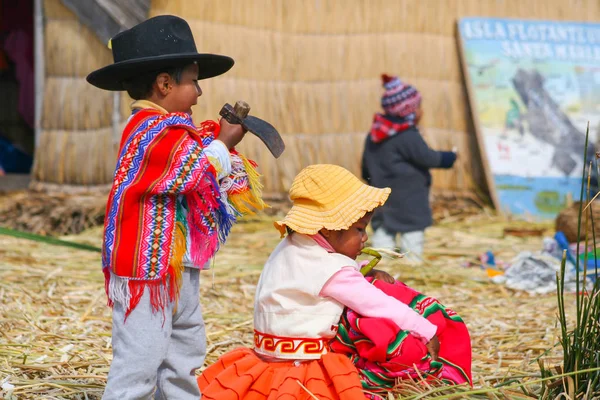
x=309, y=221
x=112, y=76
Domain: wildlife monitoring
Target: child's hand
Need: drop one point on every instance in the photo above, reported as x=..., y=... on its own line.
x=231, y=134
x=381, y=276
x=433, y=347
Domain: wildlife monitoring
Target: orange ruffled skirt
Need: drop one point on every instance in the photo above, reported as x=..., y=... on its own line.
x=242, y=375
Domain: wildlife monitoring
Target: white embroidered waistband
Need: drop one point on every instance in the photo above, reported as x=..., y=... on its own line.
x=288, y=347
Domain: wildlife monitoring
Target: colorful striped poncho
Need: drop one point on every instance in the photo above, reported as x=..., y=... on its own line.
x=384, y=354
x=161, y=158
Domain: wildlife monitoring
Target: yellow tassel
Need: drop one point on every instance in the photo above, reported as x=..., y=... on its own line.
x=254, y=197
x=246, y=203
x=179, y=249
x=215, y=163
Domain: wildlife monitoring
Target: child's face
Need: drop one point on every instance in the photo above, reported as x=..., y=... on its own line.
x=184, y=95
x=351, y=241
x=418, y=114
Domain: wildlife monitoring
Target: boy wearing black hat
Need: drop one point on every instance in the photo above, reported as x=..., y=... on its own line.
x=168, y=210
x=396, y=156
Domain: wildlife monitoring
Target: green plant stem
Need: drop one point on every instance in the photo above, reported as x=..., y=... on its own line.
x=47, y=239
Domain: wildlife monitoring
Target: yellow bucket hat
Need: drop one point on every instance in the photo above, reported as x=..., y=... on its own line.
x=331, y=197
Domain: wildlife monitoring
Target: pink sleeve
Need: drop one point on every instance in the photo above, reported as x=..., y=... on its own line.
x=350, y=288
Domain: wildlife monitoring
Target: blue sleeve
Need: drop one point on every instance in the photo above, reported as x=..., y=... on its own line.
x=448, y=159
x=415, y=150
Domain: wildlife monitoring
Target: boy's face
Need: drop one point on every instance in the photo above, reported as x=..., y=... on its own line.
x=351, y=241
x=183, y=95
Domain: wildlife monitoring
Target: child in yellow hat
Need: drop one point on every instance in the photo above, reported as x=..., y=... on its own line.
x=307, y=282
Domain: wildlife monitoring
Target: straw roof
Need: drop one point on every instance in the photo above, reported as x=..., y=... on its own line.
x=311, y=68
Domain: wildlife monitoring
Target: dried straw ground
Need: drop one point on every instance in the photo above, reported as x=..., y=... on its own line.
x=55, y=326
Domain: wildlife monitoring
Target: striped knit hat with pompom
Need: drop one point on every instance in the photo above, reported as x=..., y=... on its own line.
x=399, y=99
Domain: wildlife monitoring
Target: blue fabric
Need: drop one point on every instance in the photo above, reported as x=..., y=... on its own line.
x=448, y=159
x=562, y=241
x=591, y=265
x=13, y=160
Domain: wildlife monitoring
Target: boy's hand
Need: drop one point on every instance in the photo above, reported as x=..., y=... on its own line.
x=381, y=275
x=231, y=134
x=433, y=347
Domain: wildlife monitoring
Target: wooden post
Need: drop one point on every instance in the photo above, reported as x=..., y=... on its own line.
x=489, y=177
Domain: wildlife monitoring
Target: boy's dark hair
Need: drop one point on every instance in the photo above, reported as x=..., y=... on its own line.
x=140, y=87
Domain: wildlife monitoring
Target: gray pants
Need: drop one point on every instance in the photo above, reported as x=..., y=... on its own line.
x=155, y=351
x=411, y=242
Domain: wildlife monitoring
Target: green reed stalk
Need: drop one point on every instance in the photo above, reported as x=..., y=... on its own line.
x=581, y=345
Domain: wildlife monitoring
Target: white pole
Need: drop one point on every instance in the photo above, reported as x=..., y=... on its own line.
x=116, y=119
x=39, y=68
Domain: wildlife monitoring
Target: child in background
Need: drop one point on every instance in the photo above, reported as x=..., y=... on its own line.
x=396, y=156
x=168, y=208
x=305, y=286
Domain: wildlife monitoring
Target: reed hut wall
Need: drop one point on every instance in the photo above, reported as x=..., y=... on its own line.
x=311, y=68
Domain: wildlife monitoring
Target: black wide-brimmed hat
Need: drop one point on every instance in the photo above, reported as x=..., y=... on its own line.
x=161, y=42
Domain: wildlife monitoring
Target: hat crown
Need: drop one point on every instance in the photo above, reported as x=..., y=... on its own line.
x=331, y=197
x=323, y=186
x=158, y=36
x=399, y=98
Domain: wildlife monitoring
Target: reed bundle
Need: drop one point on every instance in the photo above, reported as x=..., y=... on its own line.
x=566, y=222
x=377, y=16
x=52, y=214
x=72, y=49
x=76, y=157
x=76, y=106
x=329, y=106
x=311, y=68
